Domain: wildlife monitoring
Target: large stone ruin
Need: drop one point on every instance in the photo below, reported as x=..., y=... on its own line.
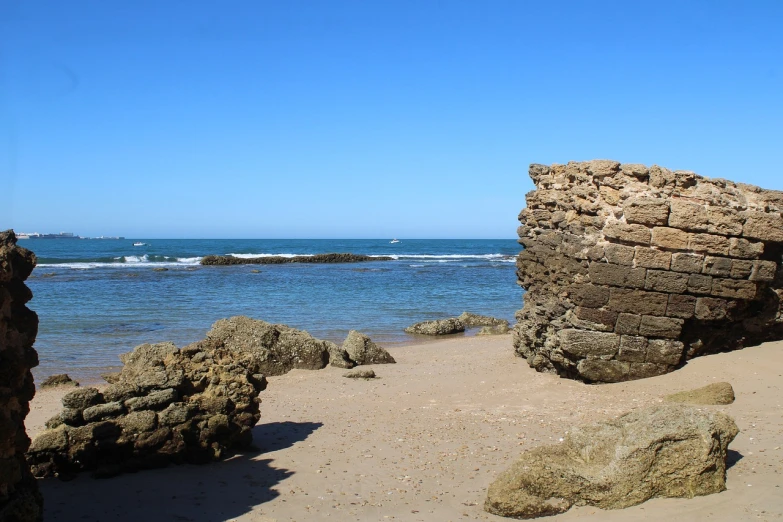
x=19, y=496
x=630, y=271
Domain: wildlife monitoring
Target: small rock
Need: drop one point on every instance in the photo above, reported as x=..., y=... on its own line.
x=160, y=269
x=437, y=327
x=51, y=440
x=362, y=350
x=61, y=379
x=715, y=393
x=338, y=357
x=472, y=320
x=83, y=398
x=360, y=373
x=111, y=377
x=101, y=411
x=154, y=401
x=494, y=330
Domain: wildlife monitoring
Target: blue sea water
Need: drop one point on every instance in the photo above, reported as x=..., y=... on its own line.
x=98, y=298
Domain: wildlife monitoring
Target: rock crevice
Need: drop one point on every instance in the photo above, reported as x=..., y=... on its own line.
x=630, y=271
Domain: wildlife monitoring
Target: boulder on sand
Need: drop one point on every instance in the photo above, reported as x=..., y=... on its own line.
x=338, y=357
x=715, y=393
x=362, y=350
x=273, y=349
x=360, y=373
x=668, y=450
x=438, y=327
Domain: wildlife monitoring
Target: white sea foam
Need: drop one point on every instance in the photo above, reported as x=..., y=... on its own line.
x=129, y=262
x=144, y=260
x=449, y=257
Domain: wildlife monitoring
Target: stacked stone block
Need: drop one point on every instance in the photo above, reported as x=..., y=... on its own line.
x=167, y=405
x=630, y=270
x=19, y=497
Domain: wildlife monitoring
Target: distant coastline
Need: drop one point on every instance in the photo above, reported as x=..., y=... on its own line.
x=61, y=235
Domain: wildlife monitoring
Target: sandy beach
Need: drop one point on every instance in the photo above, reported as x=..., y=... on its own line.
x=424, y=440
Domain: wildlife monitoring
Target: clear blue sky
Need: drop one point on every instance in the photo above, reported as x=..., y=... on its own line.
x=362, y=119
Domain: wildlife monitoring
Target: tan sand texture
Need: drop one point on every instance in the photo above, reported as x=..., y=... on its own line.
x=424, y=440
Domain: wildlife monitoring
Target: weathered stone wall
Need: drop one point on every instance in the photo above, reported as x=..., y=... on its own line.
x=19, y=497
x=630, y=270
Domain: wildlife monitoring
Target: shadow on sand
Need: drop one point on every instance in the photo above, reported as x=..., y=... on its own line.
x=732, y=457
x=217, y=491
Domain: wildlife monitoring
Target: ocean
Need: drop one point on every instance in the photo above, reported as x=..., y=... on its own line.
x=98, y=298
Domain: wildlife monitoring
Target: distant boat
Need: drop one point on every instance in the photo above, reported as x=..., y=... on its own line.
x=139, y=243
x=394, y=241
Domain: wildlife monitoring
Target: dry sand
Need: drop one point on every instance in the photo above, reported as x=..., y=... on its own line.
x=422, y=442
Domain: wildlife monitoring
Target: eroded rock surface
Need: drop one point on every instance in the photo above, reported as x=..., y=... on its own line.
x=437, y=327
x=19, y=497
x=669, y=450
x=183, y=405
x=271, y=349
x=630, y=270
x=362, y=350
x=167, y=405
x=473, y=320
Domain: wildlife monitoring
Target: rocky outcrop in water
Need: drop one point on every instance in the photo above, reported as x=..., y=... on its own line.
x=193, y=404
x=474, y=320
x=280, y=260
x=19, y=497
x=448, y=326
x=669, y=450
x=452, y=325
x=630, y=271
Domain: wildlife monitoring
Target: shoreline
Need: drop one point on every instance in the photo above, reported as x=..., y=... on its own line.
x=91, y=375
x=424, y=441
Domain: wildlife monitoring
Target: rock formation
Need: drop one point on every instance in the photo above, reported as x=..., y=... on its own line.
x=61, y=379
x=276, y=348
x=630, y=270
x=473, y=320
x=279, y=260
x=438, y=327
x=361, y=350
x=167, y=405
x=183, y=405
x=19, y=496
x=668, y=450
